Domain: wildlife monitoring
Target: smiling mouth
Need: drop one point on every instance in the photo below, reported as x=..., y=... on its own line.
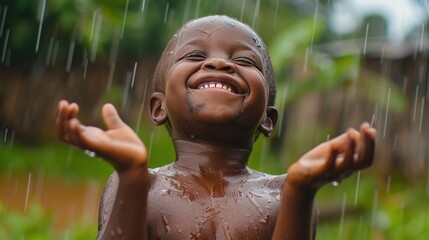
x=217, y=85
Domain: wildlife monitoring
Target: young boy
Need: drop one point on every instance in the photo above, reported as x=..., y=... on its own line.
x=214, y=90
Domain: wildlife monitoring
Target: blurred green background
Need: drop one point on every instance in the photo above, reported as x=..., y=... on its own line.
x=337, y=63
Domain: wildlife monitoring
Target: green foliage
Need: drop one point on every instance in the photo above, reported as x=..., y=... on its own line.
x=37, y=224
x=54, y=159
x=34, y=225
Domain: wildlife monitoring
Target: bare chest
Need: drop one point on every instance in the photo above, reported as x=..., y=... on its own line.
x=215, y=211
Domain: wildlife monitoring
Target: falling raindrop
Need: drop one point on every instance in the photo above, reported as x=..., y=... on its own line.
x=383, y=51
x=139, y=118
x=275, y=15
x=187, y=10
x=415, y=103
x=374, y=208
x=422, y=108
x=97, y=32
x=314, y=28
x=307, y=52
x=94, y=17
x=85, y=69
x=422, y=37
x=366, y=38
x=143, y=5
x=357, y=187
x=27, y=195
x=166, y=12
x=197, y=9
x=70, y=56
x=387, y=114
x=134, y=75
x=5, y=135
x=126, y=91
x=256, y=12
x=3, y=20
x=388, y=182
x=343, y=210
x=124, y=20
x=55, y=53
x=6, y=39
x=242, y=9
x=49, y=53
x=150, y=144
x=41, y=14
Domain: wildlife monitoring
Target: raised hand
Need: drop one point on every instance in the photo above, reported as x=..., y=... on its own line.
x=334, y=160
x=118, y=144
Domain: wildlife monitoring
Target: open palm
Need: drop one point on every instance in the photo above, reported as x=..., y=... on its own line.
x=118, y=144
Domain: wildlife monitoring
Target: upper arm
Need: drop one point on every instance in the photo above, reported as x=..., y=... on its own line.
x=107, y=201
x=108, y=198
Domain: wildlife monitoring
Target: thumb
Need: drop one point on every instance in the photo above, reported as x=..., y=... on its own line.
x=111, y=117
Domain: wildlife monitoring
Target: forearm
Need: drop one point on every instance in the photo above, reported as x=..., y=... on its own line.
x=296, y=214
x=129, y=211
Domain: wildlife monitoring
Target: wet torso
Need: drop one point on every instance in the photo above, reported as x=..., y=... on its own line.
x=188, y=206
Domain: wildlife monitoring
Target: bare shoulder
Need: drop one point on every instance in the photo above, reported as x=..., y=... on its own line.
x=268, y=180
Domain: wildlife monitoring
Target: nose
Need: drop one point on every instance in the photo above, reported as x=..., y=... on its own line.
x=219, y=64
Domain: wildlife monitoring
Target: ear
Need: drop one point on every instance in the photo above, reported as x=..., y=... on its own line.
x=268, y=125
x=157, y=112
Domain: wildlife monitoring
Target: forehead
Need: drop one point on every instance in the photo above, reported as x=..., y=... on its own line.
x=220, y=30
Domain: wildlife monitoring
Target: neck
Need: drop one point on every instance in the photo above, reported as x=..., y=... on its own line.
x=210, y=159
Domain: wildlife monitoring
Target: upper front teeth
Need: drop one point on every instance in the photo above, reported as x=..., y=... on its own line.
x=216, y=85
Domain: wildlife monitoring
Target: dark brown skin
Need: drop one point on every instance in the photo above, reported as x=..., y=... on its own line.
x=209, y=192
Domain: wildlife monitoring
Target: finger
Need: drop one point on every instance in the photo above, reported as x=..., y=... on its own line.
x=62, y=105
x=344, y=162
x=66, y=112
x=111, y=117
x=74, y=131
x=366, y=146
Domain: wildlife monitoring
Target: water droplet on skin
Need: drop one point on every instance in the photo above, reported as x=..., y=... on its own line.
x=257, y=41
x=90, y=153
x=119, y=230
x=166, y=224
x=165, y=192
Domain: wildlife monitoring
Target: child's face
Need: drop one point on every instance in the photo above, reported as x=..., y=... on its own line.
x=215, y=84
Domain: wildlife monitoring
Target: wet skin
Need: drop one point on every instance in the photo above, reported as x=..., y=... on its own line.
x=214, y=105
x=215, y=100
x=215, y=88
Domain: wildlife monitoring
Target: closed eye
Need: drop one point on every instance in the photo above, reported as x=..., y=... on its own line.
x=195, y=55
x=245, y=61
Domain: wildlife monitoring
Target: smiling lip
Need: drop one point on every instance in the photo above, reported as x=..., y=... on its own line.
x=219, y=82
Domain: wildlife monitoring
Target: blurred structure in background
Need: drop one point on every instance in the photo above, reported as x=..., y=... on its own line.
x=337, y=63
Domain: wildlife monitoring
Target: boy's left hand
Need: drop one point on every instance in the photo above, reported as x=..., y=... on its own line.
x=334, y=160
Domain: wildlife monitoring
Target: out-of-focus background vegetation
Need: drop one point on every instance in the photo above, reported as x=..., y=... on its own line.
x=338, y=63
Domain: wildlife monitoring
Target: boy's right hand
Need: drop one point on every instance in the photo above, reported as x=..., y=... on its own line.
x=119, y=144
x=334, y=160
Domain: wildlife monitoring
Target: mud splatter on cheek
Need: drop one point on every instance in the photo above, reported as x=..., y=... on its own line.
x=192, y=107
